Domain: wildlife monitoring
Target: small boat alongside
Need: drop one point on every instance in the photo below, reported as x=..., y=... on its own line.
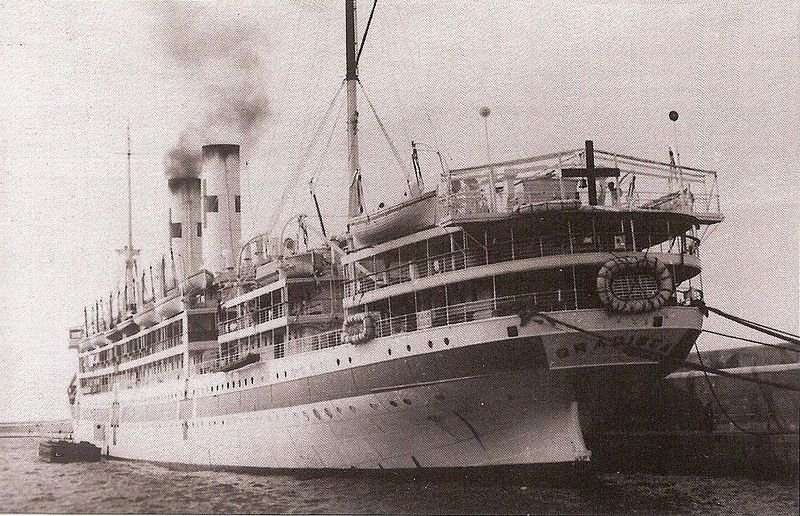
x=64, y=451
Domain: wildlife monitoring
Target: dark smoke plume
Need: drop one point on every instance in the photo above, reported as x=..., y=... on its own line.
x=221, y=48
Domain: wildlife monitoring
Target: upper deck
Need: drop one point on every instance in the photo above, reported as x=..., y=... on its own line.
x=548, y=183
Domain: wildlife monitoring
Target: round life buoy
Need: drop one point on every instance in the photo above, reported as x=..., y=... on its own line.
x=634, y=284
x=358, y=328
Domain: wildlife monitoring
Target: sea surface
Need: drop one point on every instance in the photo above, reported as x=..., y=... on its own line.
x=28, y=485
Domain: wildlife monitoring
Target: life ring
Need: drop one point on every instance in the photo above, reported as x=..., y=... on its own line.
x=358, y=328
x=652, y=289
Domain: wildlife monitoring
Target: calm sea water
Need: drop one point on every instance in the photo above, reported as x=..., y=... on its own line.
x=27, y=485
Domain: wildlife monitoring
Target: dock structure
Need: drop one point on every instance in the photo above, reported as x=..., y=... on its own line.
x=708, y=424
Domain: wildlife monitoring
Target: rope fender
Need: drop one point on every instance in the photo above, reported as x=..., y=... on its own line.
x=629, y=265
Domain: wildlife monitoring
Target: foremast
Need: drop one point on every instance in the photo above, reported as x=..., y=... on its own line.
x=128, y=252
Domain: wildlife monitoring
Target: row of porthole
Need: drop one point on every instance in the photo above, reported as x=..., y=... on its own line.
x=316, y=413
x=217, y=388
x=430, y=345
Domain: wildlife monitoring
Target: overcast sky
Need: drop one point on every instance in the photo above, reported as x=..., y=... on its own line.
x=553, y=75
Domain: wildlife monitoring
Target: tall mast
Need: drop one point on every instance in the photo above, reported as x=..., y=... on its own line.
x=128, y=251
x=355, y=194
x=130, y=202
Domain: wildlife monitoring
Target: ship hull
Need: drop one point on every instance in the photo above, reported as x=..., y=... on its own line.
x=481, y=401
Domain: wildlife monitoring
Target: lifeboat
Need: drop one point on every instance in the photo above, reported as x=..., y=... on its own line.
x=147, y=318
x=198, y=281
x=402, y=219
x=302, y=265
x=168, y=307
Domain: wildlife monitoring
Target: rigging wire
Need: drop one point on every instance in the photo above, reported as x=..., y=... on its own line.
x=403, y=44
x=722, y=408
x=321, y=162
x=399, y=160
x=292, y=181
x=366, y=30
x=274, y=128
x=774, y=332
x=777, y=346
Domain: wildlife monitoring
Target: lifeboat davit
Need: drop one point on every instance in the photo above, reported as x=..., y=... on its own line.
x=402, y=219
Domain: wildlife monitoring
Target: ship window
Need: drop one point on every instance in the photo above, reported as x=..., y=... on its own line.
x=240, y=383
x=446, y=341
x=237, y=203
x=212, y=204
x=199, y=229
x=408, y=347
x=175, y=230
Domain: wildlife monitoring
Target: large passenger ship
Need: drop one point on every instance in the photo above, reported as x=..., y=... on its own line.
x=490, y=321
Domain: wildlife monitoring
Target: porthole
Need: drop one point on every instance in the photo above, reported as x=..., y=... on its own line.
x=393, y=403
x=352, y=408
x=339, y=410
x=240, y=383
x=338, y=362
x=430, y=344
x=284, y=374
x=446, y=341
x=408, y=347
x=350, y=359
x=389, y=351
x=277, y=375
x=245, y=382
x=316, y=414
x=406, y=401
x=328, y=412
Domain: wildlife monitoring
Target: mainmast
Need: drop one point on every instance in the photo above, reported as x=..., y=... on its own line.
x=355, y=197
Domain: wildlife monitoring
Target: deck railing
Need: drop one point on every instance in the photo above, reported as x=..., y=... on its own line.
x=160, y=345
x=249, y=319
x=642, y=184
x=514, y=249
x=545, y=301
x=276, y=311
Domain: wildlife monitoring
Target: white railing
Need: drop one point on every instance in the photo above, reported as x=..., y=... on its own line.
x=642, y=184
x=514, y=249
x=545, y=301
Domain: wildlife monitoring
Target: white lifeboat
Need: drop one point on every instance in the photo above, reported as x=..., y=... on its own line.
x=198, y=281
x=402, y=219
x=147, y=318
x=169, y=307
